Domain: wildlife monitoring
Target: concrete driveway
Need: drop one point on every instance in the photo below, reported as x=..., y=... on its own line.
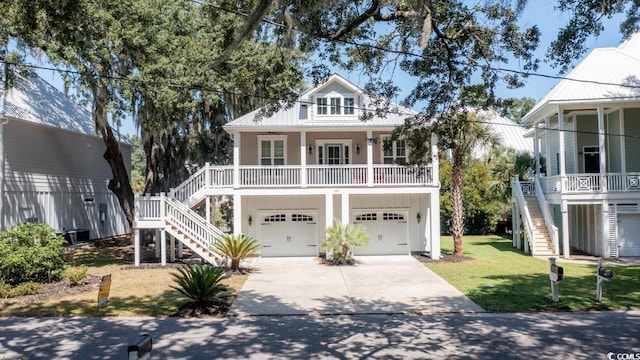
x=375, y=285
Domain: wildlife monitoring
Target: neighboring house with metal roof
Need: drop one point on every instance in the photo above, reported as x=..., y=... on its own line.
x=510, y=135
x=297, y=170
x=587, y=130
x=52, y=166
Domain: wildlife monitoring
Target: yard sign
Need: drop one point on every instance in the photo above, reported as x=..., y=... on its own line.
x=103, y=293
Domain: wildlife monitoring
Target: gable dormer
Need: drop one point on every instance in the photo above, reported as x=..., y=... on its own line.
x=336, y=100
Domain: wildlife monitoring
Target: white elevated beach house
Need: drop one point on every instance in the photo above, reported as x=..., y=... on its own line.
x=586, y=193
x=296, y=171
x=52, y=166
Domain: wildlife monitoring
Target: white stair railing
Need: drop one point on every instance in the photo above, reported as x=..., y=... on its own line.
x=195, y=183
x=524, y=215
x=546, y=214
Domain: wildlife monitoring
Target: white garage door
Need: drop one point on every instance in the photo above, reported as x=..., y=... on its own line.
x=628, y=235
x=288, y=234
x=388, y=234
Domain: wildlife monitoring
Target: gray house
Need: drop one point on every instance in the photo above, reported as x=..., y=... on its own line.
x=52, y=166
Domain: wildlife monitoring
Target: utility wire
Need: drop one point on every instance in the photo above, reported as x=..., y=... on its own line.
x=407, y=53
x=395, y=109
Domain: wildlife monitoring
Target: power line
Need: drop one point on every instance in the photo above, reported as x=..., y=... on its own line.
x=407, y=53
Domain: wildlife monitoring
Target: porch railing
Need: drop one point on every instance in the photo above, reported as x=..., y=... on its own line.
x=589, y=183
x=527, y=222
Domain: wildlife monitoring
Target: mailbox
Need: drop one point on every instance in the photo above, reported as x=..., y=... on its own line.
x=607, y=274
x=141, y=349
x=556, y=273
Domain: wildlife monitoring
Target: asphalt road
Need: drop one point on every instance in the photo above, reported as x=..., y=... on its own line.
x=598, y=335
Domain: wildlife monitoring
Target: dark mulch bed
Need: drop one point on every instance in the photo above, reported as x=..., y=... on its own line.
x=444, y=258
x=56, y=290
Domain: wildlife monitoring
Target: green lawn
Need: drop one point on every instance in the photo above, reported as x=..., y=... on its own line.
x=503, y=279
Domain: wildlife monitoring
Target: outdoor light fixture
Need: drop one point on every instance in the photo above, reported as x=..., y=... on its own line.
x=250, y=220
x=418, y=217
x=358, y=149
x=310, y=149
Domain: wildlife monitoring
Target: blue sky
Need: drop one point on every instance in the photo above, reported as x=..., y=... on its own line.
x=539, y=12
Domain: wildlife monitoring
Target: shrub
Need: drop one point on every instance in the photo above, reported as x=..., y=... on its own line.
x=5, y=290
x=30, y=252
x=27, y=288
x=76, y=275
x=201, y=284
x=341, y=239
x=236, y=248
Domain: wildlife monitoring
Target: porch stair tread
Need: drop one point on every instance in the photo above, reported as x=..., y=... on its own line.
x=542, y=240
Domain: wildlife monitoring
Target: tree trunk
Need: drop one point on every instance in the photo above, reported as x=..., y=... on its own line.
x=119, y=184
x=457, y=205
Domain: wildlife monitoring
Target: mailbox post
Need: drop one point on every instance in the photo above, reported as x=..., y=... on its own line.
x=556, y=274
x=602, y=275
x=141, y=350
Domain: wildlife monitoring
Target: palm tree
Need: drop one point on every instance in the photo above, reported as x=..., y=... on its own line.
x=463, y=133
x=341, y=238
x=236, y=248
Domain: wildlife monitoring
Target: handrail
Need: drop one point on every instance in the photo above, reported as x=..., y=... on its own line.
x=546, y=215
x=526, y=217
x=193, y=216
x=186, y=188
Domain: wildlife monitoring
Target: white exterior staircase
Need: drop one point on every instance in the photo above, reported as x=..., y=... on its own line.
x=540, y=235
x=541, y=244
x=168, y=214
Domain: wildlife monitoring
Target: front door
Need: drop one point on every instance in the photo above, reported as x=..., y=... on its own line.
x=591, y=159
x=334, y=154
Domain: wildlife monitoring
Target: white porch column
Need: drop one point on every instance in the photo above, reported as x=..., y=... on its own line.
x=345, y=208
x=180, y=248
x=605, y=229
x=623, y=146
x=328, y=205
x=163, y=248
x=435, y=163
x=369, y=158
x=136, y=248
x=303, y=159
x=237, y=214
x=547, y=147
x=602, y=150
x=536, y=150
x=561, y=151
x=236, y=160
x=434, y=222
x=565, y=229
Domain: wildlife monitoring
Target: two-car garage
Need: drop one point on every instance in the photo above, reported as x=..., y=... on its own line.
x=295, y=233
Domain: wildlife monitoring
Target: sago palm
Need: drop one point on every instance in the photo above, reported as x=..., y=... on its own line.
x=236, y=248
x=341, y=238
x=202, y=285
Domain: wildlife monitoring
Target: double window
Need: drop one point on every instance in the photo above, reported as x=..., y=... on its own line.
x=272, y=150
x=394, y=152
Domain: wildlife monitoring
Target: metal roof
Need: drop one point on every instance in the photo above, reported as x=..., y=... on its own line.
x=300, y=115
x=605, y=75
x=511, y=134
x=35, y=100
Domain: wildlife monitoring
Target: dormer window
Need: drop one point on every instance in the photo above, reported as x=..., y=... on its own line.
x=348, y=106
x=335, y=105
x=322, y=106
